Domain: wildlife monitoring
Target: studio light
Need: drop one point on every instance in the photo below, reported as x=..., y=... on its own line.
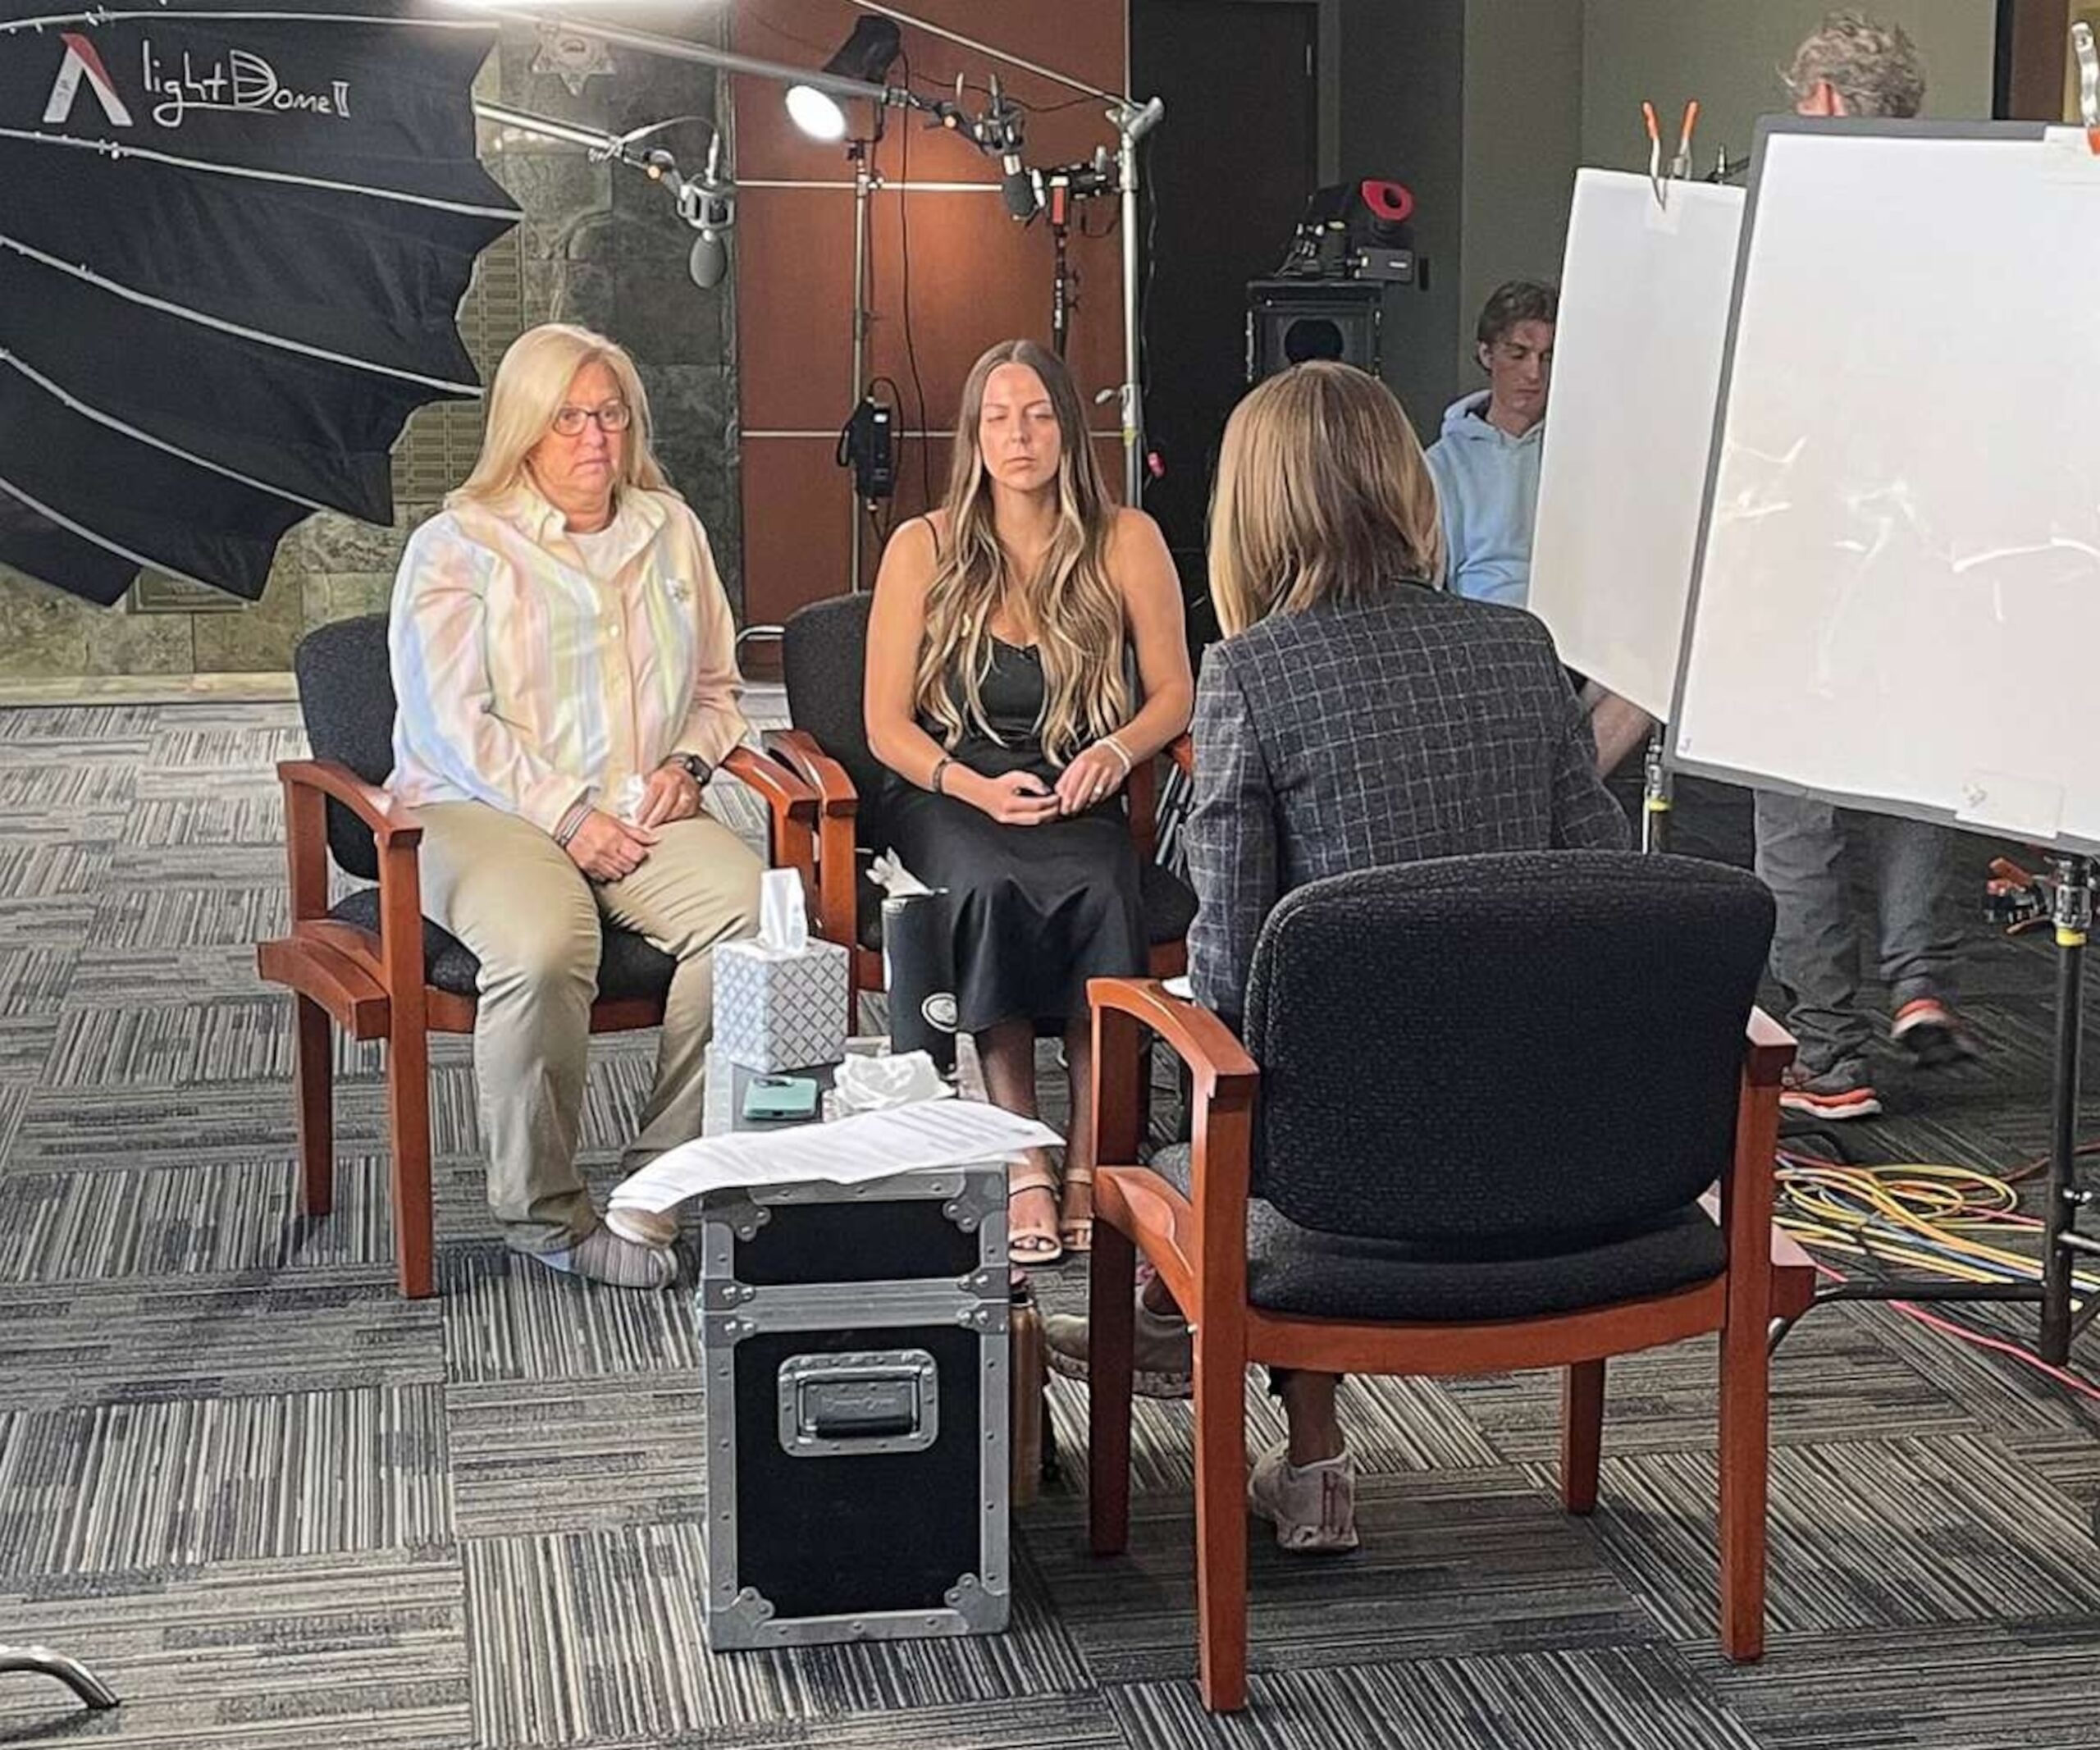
x=867, y=56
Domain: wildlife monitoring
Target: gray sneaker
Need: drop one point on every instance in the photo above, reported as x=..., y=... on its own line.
x=1313, y=1506
x=602, y=1256
x=1163, y=1354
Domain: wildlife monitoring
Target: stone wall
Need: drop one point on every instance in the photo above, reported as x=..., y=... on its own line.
x=601, y=245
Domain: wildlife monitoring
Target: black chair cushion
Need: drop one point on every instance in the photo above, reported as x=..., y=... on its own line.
x=1300, y=1270
x=1168, y=902
x=346, y=697
x=1507, y=1053
x=627, y=965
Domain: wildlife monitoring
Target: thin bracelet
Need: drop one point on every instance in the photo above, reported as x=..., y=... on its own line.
x=1121, y=752
x=572, y=822
x=940, y=771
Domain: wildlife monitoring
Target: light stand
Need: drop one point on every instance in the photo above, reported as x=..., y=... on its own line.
x=860, y=154
x=1655, y=795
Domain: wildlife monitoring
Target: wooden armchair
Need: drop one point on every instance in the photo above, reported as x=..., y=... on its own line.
x=1493, y=1092
x=823, y=653
x=373, y=965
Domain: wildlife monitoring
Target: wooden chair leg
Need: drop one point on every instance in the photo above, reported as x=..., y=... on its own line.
x=312, y=1048
x=1746, y=1434
x=1581, y=1434
x=1222, y=1516
x=407, y=1127
x=1111, y=1289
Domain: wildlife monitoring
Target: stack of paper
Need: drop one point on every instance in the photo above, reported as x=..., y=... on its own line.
x=870, y=1145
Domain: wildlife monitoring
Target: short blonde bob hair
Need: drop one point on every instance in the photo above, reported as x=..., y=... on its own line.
x=1322, y=495
x=531, y=385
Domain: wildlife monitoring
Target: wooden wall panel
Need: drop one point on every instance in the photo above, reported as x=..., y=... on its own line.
x=796, y=513
x=976, y=277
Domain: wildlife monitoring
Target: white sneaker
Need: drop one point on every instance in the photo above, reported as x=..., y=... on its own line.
x=1313, y=1506
x=644, y=1226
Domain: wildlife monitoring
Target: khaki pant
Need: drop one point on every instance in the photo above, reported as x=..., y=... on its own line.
x=511, y=894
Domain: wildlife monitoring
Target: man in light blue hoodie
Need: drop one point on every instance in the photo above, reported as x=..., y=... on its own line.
x=1486, y=463
x=1486, y=468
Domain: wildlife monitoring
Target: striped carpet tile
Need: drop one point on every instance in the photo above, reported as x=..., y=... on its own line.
x=1601, y=1698
x=248, y=819
x=597, y=1637
x=507, y=1317
x=37, y=867
x=87, y=725
x=1975, y=1686
x=116, y=1488
x=1454, y=1564
x=304, y=1653
x=238, y=1218
x=1831, y=1379
x=167, y=1126
x=156, y=1340
x=166, y=917
x=575, y=1454
x=66, y=788
x=231, y=1039
x=1865, y=1535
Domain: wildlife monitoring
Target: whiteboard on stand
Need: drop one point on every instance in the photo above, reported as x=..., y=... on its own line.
x=1898, y=596
x=1636, y=368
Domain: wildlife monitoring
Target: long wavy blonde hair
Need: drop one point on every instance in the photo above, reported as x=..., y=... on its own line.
x=1322, y=495
x=530, y=386
x=1074, y=606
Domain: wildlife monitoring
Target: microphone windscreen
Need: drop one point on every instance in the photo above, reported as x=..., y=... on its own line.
x=1022, y=197
x=710, y=261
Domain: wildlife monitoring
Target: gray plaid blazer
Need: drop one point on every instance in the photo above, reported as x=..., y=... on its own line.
x=1349, y=738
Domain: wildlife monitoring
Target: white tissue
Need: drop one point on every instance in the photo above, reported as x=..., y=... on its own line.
x=784, y=925
x=627, y=802
x=876, y=1084
x=889, y=873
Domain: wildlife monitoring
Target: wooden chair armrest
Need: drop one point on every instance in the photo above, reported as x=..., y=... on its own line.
x=1210, y=1244
x=798, y=748
x=837, y=804
x=791, y=818
x=1223, y=1072
x=391, y=822
x=785, y=793
x=1768, y=1049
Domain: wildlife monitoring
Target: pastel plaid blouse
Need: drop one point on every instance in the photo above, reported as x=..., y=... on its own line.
x=524, y=681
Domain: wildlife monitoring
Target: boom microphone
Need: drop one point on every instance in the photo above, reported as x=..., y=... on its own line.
x=707, y=206
x=1017, y=184
x=709, y=263
x=1000, y=130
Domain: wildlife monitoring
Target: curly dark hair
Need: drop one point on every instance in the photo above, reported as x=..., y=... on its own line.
x=1514, y=302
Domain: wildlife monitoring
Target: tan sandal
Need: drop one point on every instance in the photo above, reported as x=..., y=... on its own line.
x=1031, y=1245
x=1075, y=1209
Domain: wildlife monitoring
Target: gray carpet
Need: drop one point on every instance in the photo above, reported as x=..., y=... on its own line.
x=277, y=1506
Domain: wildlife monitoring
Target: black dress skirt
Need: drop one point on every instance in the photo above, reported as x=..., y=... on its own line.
x=1037, y=910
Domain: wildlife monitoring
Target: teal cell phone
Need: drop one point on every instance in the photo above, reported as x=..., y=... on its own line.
x=780, y=1097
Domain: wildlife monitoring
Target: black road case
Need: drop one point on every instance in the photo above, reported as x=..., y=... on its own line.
x=855, y=1344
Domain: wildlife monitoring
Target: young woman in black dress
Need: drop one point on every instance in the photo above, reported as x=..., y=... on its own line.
x=1001, y=696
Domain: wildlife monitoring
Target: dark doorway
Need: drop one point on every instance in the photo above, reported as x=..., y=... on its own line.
x=1230, y=169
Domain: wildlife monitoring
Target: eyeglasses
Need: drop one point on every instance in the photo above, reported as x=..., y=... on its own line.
x=614, y=416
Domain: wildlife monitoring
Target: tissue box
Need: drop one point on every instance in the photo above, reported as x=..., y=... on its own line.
x=778, y=1009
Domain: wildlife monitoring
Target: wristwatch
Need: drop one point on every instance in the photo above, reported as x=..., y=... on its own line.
x=692, y=765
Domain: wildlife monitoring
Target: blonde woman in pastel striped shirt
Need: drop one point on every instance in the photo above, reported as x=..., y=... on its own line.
x=564, y=664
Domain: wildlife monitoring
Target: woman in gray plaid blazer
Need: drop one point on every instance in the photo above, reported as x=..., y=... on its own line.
x=1355, y=716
